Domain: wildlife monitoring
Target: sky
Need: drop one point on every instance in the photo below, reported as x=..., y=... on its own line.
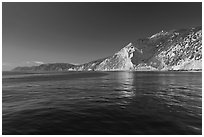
x=37, y=33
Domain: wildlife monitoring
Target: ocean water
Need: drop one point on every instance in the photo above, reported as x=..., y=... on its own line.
x=102, y=103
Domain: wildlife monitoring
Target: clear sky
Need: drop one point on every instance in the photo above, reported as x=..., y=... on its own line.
x=35, y=33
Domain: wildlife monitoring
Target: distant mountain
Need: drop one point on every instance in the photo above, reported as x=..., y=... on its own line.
x=172, y=50
x=47, y=67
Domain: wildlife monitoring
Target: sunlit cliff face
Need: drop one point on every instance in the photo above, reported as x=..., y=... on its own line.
x=125, y=55
x=119, y=61
x=130, y=51
x=127, y=51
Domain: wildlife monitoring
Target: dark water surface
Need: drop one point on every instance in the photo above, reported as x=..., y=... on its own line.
x=102, y=103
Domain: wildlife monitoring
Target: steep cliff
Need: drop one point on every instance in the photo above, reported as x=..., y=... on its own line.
x=120, y=60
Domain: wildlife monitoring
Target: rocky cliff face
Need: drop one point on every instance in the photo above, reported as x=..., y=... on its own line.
x=120, y=60
x=172, y=50
x=184, y=54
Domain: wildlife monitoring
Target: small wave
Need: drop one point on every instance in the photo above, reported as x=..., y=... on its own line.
x=127, y=93
x=195, y=128
x=10, y=86
x=32, y=85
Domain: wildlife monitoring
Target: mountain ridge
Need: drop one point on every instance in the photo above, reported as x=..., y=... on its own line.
x=164, y=51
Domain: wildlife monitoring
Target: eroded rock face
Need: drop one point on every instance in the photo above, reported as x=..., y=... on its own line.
x=119, y=61
x=127, y=51
x=173, y=50
x=185, y=54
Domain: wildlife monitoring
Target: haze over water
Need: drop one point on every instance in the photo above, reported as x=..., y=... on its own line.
x=102, y=103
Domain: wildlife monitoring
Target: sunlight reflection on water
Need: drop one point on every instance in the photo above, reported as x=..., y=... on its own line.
x=125, y=84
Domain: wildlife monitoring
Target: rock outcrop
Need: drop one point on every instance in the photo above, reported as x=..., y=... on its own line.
x=119, y=61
